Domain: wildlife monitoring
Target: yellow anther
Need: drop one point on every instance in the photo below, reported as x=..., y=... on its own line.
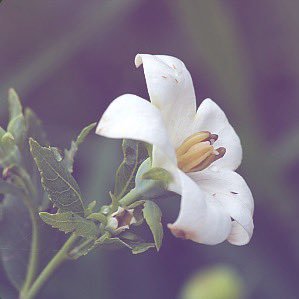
x=192, y=140
x=194, y=156
x=197, y=152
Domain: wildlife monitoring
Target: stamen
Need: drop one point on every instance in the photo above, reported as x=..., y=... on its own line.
x=213, y=138
x=195, y=155
x=204, y=164
x=221, y=152
x=197, y=152
x=192, y=140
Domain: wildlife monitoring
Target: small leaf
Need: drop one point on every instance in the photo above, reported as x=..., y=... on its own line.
x=130, y=236
x=35, y=128
x=158, y=174
x=115, y=243
x=90, y=207
x=84, y=133
x=134, y=153
x=70, y=154
x=99, y=217
x=140, y=248
x=16, y=125
x=87, y=245
x=153, y=215
x=62, y=188
x=82, y=249
x=9, y=152
x=69, y=222
x=136, y=204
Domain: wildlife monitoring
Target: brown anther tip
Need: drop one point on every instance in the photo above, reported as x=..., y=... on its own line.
x=213, y=138
x=221, y=152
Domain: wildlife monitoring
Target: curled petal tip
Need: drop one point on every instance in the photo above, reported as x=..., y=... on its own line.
x=138, y=60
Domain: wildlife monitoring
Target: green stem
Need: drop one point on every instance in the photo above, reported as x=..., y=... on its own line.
x=56, y=261
x=34, y=250
x=137, y=193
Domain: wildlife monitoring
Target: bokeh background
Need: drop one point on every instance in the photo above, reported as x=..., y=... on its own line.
x=69, y=59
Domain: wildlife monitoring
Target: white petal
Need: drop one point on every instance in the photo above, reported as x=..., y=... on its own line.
x=210, y=117
x=201, y=218
x=238, y=235
x=230, y=189
x=132, y=117
x=170, y=88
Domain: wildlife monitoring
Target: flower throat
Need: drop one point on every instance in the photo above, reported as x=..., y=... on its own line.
x=197, y=152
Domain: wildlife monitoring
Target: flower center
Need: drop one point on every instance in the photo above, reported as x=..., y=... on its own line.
x=197, y=152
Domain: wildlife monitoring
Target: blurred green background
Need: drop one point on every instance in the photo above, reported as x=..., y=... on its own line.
x=69, y=59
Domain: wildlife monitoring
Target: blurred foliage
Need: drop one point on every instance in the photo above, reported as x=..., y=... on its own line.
x=217, y=282
x=242, y=54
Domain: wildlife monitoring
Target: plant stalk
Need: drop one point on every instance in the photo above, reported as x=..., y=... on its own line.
x=57, y=260
x=34, y=250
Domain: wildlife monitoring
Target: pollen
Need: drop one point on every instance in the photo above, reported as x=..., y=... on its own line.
x=197, y=152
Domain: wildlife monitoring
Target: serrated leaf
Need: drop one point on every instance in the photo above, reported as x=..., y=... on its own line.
x=158, y=174
x=69, y=222
x=62, y=188
x=135, y=153
x=153, y=215
x=70, y=154
x=35, y=128
x=16, y=125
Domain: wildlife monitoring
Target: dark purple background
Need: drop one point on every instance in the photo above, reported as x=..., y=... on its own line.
x=69, y=59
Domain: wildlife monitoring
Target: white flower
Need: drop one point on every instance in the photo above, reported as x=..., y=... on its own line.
x=216, y=202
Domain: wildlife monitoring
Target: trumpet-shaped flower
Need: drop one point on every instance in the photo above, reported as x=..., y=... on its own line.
x=199, y=148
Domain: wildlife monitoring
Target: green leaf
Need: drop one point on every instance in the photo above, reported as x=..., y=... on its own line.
x=87, y=245
x=99, y=217
x=70, y=154
x=89, y=209
x=140, y=248
x=153, y=215
x=136, y=204
x=115, y=243
x=35, y=128
x=69, y=222
x=135, y=247
x=135, y=153
x=158, y=174
x=16, y=125
x=9, y=152
x=82, y=249
x=15, y=234
x=62, y=188
x=84, y=133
